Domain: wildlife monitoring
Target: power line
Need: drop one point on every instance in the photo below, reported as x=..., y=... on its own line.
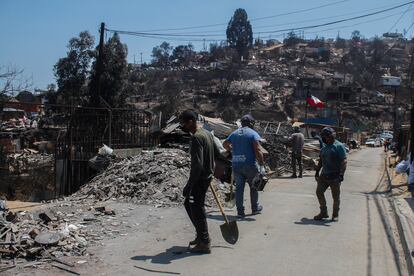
x=342, y=20
x=399, y=19
x=322, y=18
x=219, y=32
x=189, y=39
x=267, y=32
x=160, y=34
x=254, y=19
x=357, y=24
x=300, y=11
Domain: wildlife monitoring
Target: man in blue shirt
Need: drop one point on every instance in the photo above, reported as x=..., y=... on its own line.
x=247, y=162
x=332, y=161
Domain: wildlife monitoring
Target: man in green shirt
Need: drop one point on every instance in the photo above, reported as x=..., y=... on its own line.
x=332, y=161
x=203, y=151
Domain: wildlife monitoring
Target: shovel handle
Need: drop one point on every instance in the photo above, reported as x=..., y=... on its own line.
x=231, y=183
x=218, y=203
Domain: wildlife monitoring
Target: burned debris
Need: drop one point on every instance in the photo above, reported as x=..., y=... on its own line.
x=153, y=177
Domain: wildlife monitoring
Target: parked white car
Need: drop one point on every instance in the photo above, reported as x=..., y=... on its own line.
x=373, y=142
x=386, y=135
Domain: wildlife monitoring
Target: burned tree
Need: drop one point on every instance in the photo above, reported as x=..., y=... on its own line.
x=12, y=80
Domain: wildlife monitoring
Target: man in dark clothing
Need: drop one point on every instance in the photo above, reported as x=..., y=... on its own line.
x=203, y=151
x=297, y=140
x=332, y=161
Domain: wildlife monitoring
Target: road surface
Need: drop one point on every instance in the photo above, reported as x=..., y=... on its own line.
x=284, y=240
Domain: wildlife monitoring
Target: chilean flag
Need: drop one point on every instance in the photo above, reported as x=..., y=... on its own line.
x=315, y=102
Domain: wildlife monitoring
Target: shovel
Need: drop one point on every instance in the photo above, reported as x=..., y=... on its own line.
x=229, y=229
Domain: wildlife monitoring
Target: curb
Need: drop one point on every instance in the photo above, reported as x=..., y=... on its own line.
x=402, y=229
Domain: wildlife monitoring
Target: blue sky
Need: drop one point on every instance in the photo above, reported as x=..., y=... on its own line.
x=35, y=32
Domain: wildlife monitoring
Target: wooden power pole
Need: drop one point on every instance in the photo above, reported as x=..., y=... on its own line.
x=99, y=68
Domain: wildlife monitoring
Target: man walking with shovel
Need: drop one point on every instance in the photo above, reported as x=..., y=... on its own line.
x=203, y=151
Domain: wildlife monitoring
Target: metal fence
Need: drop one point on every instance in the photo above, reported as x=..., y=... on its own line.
x=87, y=130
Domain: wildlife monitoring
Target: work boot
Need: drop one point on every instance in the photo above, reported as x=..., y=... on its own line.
x=322, y=215
x=194, y=242
x=300, y=175
x=258, y=210
x=335, y=215
x=293, y=176
x=201, y=248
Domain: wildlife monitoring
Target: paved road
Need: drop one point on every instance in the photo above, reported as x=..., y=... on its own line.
x=284, y=240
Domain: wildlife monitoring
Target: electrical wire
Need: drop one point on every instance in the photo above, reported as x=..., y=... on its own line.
x=342, y=20
x=399, y=19
x=219, y=32
x=254, y=19
x=357, y=24
x=267, y=32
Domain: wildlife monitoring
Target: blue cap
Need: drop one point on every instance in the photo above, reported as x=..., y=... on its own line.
x=326, y=131
x=247, y=118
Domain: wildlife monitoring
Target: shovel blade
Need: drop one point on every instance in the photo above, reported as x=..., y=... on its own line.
x=230, y=232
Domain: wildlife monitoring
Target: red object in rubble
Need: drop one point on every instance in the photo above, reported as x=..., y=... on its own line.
x=315, y=102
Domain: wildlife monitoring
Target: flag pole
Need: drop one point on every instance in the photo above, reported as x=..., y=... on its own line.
x=306, y=111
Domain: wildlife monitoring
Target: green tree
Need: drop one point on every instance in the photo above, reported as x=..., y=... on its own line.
x=114, y=74
x=356, y=36
x=217, y=52
x=239, y=33
x=376, y=54
x=340, y=43
x=292, y=39
x=170, y=97
x=183, y=54
x=318, y=42
x=72, y=71
x=161, y=54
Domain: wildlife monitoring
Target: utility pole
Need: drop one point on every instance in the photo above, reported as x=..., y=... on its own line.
x=411, y=148
x=395, y=109
x=141, y=58
x=97, y=93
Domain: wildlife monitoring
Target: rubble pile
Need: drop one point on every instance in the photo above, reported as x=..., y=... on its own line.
x=276, y=144
x=65, y=228
x=276, y=136
x=22, y=235
x=28, y=175
x=28, y=159
x=17, y=125
x=152, y=177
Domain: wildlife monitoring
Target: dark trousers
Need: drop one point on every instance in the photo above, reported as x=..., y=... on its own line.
x=297, y=158
x=194, y=205
x=323, y=184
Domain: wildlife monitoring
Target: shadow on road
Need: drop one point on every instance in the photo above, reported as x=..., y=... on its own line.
x=231, y=218
x=306, y=221
x=166, y=257
x=171, y=254
x=289, y=177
